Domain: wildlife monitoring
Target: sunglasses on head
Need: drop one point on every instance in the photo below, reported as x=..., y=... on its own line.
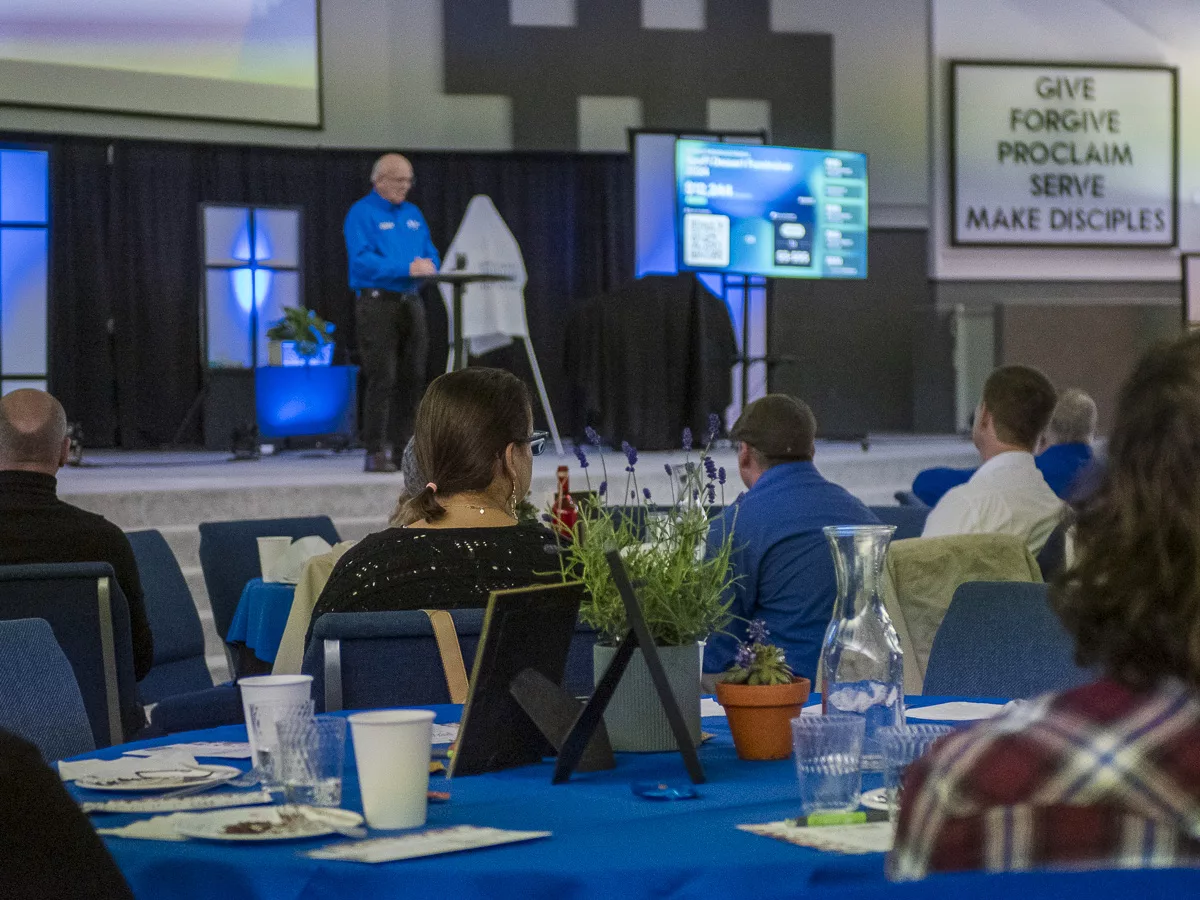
x=537, y=442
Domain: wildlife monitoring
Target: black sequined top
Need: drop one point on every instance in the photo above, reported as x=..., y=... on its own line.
x=438, y=568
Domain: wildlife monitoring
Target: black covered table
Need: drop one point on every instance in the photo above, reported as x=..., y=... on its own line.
x=648, y=360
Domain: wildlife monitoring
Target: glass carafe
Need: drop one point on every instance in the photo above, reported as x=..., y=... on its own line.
x=862, y=665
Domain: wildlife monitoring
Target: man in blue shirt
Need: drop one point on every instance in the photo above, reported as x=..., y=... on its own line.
x=781, y=559
x=390, y=249
x=1068, y=451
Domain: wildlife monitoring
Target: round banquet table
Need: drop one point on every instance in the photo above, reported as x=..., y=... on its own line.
x=261, y=617
x=606, y=843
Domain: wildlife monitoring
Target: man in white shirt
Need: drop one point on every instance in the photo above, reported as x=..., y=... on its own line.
x=1007, y=495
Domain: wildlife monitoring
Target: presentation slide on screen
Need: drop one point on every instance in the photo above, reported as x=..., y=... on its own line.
x=246, y=60
x=781, y=212
x=1064, y=155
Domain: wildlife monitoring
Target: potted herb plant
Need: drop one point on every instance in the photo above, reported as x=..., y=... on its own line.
x=311, y=336
x=681, y=584
x=761, y=696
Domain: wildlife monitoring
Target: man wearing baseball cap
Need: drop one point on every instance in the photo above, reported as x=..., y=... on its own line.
x=781, y=560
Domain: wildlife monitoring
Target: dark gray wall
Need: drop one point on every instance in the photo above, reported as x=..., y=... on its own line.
x=607, y=53
x=872, y=354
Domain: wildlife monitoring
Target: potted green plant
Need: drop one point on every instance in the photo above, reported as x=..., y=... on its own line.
x=761, y=696
x=311, y=336
x=681, y=583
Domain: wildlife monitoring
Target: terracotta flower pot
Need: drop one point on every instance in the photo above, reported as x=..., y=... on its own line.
x=760, y=716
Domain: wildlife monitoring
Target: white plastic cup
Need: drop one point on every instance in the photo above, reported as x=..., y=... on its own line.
x=284, y=688
x=270, y=551
x=391, y=750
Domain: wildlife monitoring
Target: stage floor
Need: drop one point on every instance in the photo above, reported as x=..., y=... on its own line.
x=174, y=492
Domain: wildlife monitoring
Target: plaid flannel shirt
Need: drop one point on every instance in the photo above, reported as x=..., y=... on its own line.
x=1101, y=777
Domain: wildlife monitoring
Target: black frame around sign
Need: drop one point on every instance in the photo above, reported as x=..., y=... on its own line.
x=580, y=735
x=952, y=167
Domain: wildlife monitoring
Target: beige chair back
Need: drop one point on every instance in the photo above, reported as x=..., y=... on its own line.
x=923, y=574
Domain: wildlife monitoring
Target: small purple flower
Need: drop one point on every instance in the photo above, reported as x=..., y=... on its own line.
x=710, y=468
x=667, y=469
x=582, y=457
x=695, y=496
x=632, y=494
x=689, y=467
x=630, y=455
x=687, y=439
x=757, y=631
x=547, y=518
x=711, y=489
x=603, y=489
x=721, y=475
x=646, y=493
x=592, y=437
x=745, y=656
x=714, y=427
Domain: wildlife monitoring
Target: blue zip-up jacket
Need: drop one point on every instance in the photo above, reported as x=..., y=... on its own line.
x=382, y=240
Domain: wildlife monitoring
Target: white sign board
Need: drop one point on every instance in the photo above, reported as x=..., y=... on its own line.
x=1063, y=155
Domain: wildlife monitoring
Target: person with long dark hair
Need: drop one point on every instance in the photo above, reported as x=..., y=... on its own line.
x=1106, y=775
x=457, y=538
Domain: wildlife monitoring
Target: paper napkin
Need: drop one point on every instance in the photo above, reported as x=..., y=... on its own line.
x=871, y=837
x=434, y=842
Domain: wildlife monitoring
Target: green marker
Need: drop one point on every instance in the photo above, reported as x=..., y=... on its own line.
x=859, y=817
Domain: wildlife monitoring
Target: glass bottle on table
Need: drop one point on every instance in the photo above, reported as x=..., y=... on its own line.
x=564, y=514
x=862, y=665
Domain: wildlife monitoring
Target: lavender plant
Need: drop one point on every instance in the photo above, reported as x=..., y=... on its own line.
x=682, y=584
x=758, y=662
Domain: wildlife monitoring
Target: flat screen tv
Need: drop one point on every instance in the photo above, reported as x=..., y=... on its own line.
x=777, y=212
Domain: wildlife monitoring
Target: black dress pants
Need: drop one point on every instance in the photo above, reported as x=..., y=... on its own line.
x=393, y=346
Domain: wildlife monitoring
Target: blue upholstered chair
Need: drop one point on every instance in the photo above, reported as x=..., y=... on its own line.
x=89, y=616
x=370, y=660
x=578, y=677
x=382, y=659
x=909, y=520
x=39, y=697
x=179, y=665
x=1001, y=639
x=229, y=556
x=908, y=498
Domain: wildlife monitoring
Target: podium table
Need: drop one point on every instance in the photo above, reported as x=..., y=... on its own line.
x=458, y=281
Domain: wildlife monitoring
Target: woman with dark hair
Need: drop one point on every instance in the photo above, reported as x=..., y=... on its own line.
x=457, y=538
x=1106, y=775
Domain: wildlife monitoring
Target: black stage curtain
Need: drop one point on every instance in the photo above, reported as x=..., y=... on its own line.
x=126, y=257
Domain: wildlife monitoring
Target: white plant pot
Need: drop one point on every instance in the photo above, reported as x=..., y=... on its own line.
x=635, y=719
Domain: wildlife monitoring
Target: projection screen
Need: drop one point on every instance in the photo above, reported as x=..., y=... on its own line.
x=237, y=60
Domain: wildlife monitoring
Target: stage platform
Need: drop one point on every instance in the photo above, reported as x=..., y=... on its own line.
x=175, y=492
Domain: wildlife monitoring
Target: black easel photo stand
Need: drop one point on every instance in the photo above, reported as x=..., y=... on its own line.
x=571, y=749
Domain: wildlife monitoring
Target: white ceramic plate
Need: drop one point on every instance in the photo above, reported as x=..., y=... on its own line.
x=264, y=823
x=160, y=779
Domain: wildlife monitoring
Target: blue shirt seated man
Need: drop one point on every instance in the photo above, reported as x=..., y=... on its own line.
x=1068, y=452
x=781, y=560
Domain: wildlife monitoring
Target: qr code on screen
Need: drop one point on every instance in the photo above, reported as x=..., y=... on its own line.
x=706, y=240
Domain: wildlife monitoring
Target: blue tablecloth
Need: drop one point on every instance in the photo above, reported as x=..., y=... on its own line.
x=261, y=616
x=606, y=843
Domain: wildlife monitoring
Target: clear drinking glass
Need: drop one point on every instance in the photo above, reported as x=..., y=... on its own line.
x=265, y=718
x=901, y=746
x=828, y=751
x=310, y=759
